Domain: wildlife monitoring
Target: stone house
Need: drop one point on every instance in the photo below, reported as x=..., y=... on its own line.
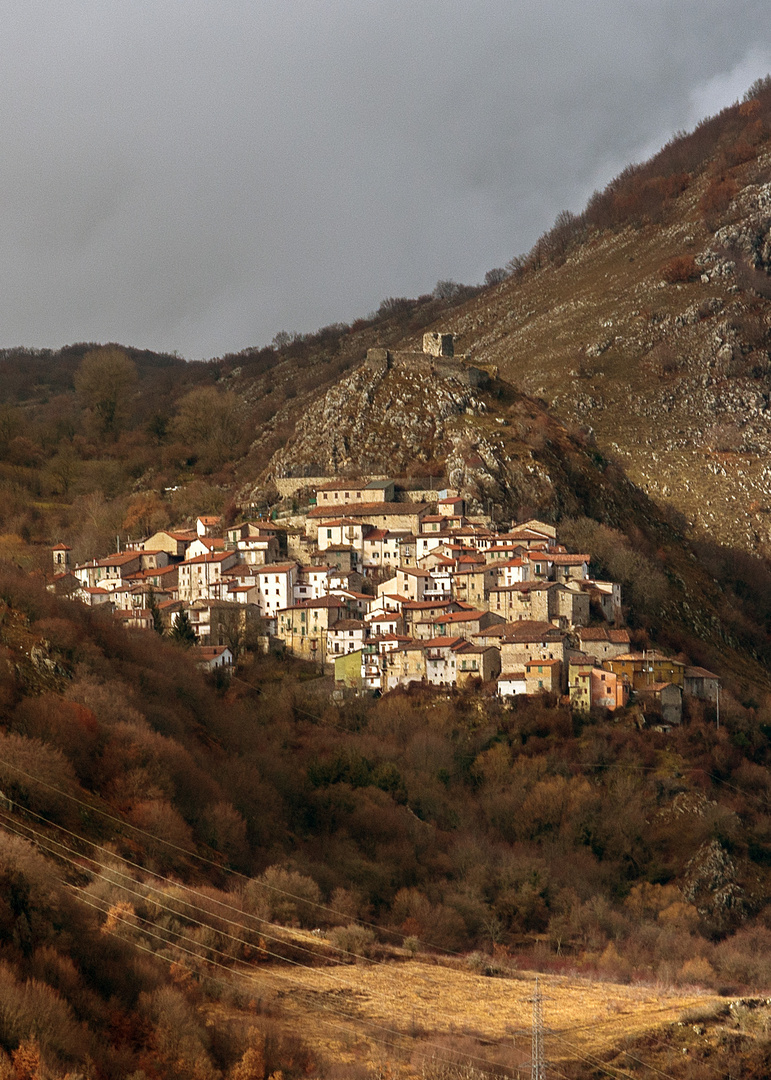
x=303, y=627
x=343, y=492
x=346, y=635
x=603, y=643
x=174, y=543
x=541, y=566
x=452, y=506
x=343, y=532
x=311, y=583
x=512, y=571
x=222, y=622
x=609, y=691
x=405, y=664
x=476, y=662
x=511, y=684
x=606, y=596
x=385, y=623
x=702, y=684
x=441, y=660
x=413, y=582
x=258, y=550
x=569, y=567
x=662, y=698
x=381, y=548
x=543, y=676
x=208, y=525
x=522, y=642
x=569, y=607
x=465, y=623
x=397, y=516
x=211, y=657
x=472, y=585
x=522, y=600
x=197, y=575
x=204, y=545
x=276, y=582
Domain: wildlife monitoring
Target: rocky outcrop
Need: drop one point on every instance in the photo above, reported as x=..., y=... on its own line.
x=712, y=886
x=386, y=420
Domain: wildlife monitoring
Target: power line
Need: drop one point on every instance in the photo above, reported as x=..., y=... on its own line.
x=202, y=858
x=42, y=842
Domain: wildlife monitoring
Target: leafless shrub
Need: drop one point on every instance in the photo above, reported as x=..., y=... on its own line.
x=680, y=268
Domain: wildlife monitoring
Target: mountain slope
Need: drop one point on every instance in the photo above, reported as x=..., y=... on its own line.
x=673, y=376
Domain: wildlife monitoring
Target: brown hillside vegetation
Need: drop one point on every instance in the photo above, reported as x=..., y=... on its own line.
x=149, y=812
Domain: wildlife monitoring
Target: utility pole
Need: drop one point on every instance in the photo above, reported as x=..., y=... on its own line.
x=537, y=1063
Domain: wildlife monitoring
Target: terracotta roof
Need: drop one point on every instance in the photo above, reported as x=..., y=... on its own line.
x=524, y=631
x=341, y=485
x=275, y=568
x=348, y=624
x=382, y=509
x=443, y=642
x=208, y=557
x=648, y=656
x=700, y=673
x=603, y=633
x=526, y=587
x=526, y=534
x=567, y=560
x=322, y=602
x=461, y=616
x=119, y=559
x=210, y=652
x=424, y=605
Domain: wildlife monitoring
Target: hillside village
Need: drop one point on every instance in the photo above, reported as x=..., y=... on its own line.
x=386, y=587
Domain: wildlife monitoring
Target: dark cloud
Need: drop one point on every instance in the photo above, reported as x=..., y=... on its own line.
x=183, y=175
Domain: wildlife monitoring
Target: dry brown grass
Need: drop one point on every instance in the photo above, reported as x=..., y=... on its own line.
x=412, y=1011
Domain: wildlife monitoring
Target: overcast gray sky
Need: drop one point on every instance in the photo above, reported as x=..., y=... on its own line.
x=195, y=176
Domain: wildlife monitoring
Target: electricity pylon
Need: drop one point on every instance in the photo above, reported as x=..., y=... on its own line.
x=537, y=1063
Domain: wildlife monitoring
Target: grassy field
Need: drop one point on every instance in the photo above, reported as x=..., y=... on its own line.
x=401, y=1016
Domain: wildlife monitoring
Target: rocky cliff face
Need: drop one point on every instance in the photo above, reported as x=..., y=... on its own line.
x=504, y=451
x=388, y=421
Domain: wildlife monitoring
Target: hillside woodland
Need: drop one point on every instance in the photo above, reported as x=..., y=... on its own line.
x=150, y=812
x=169, y=838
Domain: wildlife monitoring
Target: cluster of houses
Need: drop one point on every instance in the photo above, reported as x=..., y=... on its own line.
x=386, y=592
